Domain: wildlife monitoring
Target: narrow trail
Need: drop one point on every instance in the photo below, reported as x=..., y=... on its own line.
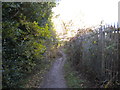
x=55, y=77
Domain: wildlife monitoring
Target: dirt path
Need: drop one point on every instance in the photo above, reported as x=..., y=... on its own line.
x=55, y=77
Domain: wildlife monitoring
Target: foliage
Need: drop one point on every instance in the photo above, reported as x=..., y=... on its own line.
x=27, y=34
x=96, y=54
x=71, y=77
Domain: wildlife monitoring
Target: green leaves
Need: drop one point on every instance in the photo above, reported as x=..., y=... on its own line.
x=27, y=28
x=94, y=42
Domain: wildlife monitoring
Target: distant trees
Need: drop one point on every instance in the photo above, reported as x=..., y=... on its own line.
x=27, y=32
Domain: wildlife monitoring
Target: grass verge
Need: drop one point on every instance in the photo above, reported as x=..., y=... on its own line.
x=72, y=79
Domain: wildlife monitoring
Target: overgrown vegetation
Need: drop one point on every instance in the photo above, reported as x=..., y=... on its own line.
x=73, y=81
x=29, y=44
x=96, y=56
x=28, y=35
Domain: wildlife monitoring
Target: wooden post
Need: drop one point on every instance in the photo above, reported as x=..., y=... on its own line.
x=101, y=44
x=119, y=54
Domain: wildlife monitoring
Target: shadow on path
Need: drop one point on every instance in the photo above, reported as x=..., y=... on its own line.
x=55, y=77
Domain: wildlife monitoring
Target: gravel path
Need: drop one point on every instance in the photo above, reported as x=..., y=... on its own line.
x=55, y=77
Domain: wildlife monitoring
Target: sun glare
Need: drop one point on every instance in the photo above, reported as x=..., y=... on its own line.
x=84, y=13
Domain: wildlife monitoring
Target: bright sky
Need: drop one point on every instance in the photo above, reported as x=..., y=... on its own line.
x=86, y=12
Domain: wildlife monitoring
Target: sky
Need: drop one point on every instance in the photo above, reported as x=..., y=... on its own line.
x=86, y=13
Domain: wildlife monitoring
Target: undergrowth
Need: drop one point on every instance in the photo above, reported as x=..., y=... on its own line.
x=72, y=78
x=35, y=79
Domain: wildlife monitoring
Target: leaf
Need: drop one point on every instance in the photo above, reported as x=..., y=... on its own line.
x=94, y=42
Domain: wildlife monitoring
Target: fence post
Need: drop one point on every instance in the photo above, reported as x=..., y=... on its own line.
x=119, y=54
x=101, y=44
